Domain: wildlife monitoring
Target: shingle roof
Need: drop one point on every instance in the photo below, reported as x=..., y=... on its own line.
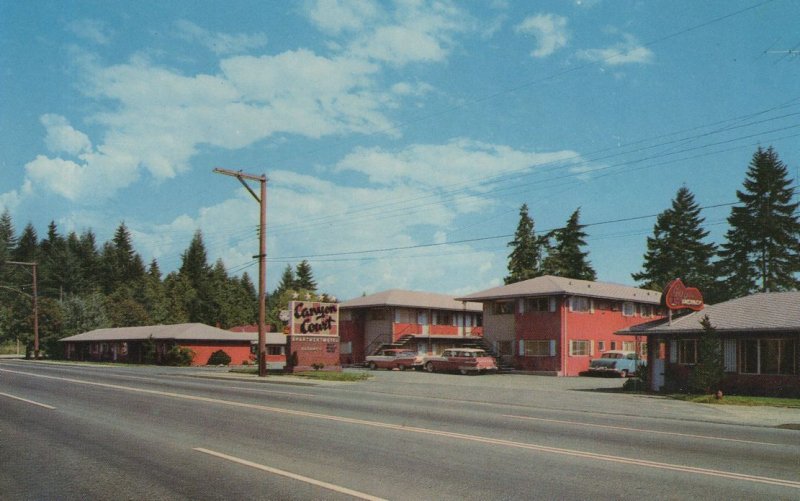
x=194, y=332
x=768, y=311
x=411, y=299
x=550, y=285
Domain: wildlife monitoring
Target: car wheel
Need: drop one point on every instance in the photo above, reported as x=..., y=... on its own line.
x=372, y=366
x=463, y=372
x=624, y=373
x=429, y=367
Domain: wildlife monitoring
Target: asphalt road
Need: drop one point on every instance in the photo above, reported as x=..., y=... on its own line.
x=77, y=432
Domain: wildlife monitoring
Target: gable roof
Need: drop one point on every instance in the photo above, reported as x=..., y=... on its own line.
x=411, y=299
x=194, y=332
x=549, y=285
x=763, y=312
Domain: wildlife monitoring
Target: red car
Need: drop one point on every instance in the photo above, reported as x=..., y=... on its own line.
x=392, y=359
x=463, y=360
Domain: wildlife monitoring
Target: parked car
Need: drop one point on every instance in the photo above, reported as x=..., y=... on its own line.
x=392, y=359
x=618, y=363
x=463, y=360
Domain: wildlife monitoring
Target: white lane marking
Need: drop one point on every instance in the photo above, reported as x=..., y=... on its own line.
x=288, y=474
x=426, y=431
x=28, y=401
x=639, y=430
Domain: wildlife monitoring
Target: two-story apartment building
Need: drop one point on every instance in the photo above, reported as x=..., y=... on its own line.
x=554, y=325
x=419, y=321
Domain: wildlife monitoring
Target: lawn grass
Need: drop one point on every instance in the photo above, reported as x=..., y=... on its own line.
x=793, y=403
x=318, y=375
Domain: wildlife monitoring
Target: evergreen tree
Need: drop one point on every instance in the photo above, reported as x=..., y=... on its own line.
x=565, y=258
x=27, y=249
x=709, y=370
x=155, y=295
x=762, y=248
x=7, y=240
x=525, y=260
x=196, y=270
x=304, y=278
x=122, y=266
x=287, y=281
x=677, y=248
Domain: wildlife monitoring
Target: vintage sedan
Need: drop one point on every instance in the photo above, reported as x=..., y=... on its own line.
x=392, y=358
x=616, y=363
x=463, y=360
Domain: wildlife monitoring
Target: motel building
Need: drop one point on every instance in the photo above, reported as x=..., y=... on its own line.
x=760, y=345
x=424, y=322
x=128, y=344
x=554, y=326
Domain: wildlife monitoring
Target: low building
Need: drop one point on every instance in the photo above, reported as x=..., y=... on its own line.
x=552, y=325
x=275, y=345
x=130, y=344
x=419, y=321
x=760, y=336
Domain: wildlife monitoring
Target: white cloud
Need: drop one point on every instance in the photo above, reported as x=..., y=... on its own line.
x=628, y=51
x=92, y=30
x=220, y=43
x=550, y=31
x=62, y=138
x=445, y=165
x=337, y=16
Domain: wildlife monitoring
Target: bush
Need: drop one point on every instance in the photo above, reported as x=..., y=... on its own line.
x=219, y=357
x=179, y=356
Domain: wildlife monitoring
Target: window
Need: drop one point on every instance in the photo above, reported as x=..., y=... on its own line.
x=580, y=348
x=628, y=346
x=613, y=345
x=346, y=348
x=503, y=307
x=377, y=314
x=404, y=316
x=628, y=309
x=537, y=304
x=442, y=318
x=275, y=350
x=643, y=350
x=646, y=310
x=578, y=303
x=538, y=348
x=768, y=356
x=687, y=351
x=601, y=345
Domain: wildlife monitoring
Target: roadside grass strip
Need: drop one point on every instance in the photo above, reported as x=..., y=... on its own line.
x=27, y=401
x=431, y=432
x=288, y=474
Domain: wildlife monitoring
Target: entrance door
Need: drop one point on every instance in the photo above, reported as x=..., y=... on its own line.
x=657, y=375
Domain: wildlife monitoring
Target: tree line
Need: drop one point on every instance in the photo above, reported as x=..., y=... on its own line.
x=82, y=286
x=761, y=251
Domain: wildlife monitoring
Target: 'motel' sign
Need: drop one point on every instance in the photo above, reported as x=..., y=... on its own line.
x=321, y=319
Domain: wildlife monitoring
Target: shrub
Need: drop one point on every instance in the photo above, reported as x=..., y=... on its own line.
x=219, y=357
x=179, y=356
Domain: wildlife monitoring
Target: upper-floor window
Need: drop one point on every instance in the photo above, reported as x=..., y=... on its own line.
x=628, y=309
x=442, y=318
x=646, y=310
x=580, y=303
x=377, y=314
x=539, y=304
x=503, y=307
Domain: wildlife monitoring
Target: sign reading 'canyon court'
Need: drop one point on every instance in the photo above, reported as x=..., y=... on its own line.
x=678, y=297
x=317, y=319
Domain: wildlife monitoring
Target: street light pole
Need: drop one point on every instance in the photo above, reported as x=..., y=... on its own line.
x=35, y=308
x=262, y=260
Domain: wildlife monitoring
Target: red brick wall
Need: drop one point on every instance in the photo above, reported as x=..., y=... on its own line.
x=238, y=351
x=305, y=351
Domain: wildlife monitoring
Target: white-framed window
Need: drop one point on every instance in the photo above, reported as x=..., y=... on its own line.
x=613, y=345
x=768, y=356
x=687, y=351
x=503, y=307
x=601, y=346
x=580, y=304
x=422, y=317
x=629, y=345
x=537, y=348
x=628, y=309
x=443, y=318
x=646, y=310
x=537, y=304
x=581, y=348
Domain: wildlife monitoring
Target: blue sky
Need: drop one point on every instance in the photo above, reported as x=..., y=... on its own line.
x=416, y=127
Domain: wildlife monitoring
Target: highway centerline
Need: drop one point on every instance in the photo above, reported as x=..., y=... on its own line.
x=427, y=431
x=288, y=474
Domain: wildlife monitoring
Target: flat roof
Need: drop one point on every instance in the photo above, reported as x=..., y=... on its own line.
x=762, y=312
x=411, y=299
x=549, y=285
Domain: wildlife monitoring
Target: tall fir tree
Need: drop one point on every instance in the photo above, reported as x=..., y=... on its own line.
x=565, y=258
x=762, y=248
x=197, y=271
x=678, y=249
x=304, y=277
x=525, y=260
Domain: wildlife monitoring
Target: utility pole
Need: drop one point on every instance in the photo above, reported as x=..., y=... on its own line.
x=35, y=308
x=262, y=259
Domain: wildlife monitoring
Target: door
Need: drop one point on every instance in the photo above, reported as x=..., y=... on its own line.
x=657, y=375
